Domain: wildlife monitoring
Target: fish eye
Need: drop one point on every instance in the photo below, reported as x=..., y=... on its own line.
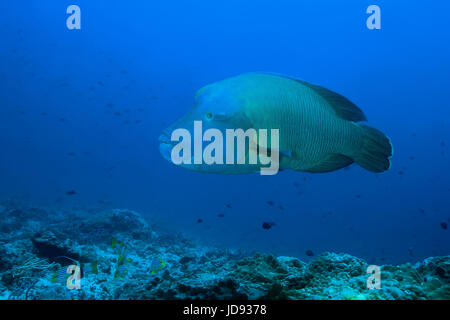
x=209, y=115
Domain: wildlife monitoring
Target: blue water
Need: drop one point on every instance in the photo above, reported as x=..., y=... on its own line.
x=83, y=109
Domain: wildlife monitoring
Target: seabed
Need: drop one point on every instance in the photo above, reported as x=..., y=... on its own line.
x=117, y=254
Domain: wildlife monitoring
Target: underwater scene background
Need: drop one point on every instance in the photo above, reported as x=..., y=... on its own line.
x=81, y=174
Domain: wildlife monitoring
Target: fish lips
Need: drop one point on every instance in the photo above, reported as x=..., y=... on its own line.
x=165, y=148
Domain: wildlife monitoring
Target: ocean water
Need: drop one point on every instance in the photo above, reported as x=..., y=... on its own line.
x=82, y=110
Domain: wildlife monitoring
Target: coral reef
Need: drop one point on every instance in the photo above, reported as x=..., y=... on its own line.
x=117, y=254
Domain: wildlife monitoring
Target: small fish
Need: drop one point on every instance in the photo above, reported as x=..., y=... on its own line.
x=228, y=206
x=60, y=276
x=271, y=203
x=120, y=271
x=199, y=220
x=221, y=215
x=444, y=225
x=309, y=253
x=90, y=268
x=268, y=225
x=358, y=196
x=116, y=243
x=71, y=192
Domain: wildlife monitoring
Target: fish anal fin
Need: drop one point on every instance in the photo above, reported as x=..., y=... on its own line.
x=331, y=163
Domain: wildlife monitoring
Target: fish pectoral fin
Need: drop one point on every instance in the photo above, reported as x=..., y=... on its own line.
x=255, y=147
x=331, y=163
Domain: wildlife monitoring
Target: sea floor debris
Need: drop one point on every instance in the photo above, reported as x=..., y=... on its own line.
x=117, y=254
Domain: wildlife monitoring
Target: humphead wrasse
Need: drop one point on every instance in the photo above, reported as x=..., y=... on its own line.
x=319, y=130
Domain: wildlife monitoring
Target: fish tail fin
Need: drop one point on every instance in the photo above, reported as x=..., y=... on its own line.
x=376, y=150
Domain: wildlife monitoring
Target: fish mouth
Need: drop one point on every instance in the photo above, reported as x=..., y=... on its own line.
x=165, y=146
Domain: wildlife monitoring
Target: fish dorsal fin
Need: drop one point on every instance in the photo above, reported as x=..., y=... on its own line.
x=343, y=107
